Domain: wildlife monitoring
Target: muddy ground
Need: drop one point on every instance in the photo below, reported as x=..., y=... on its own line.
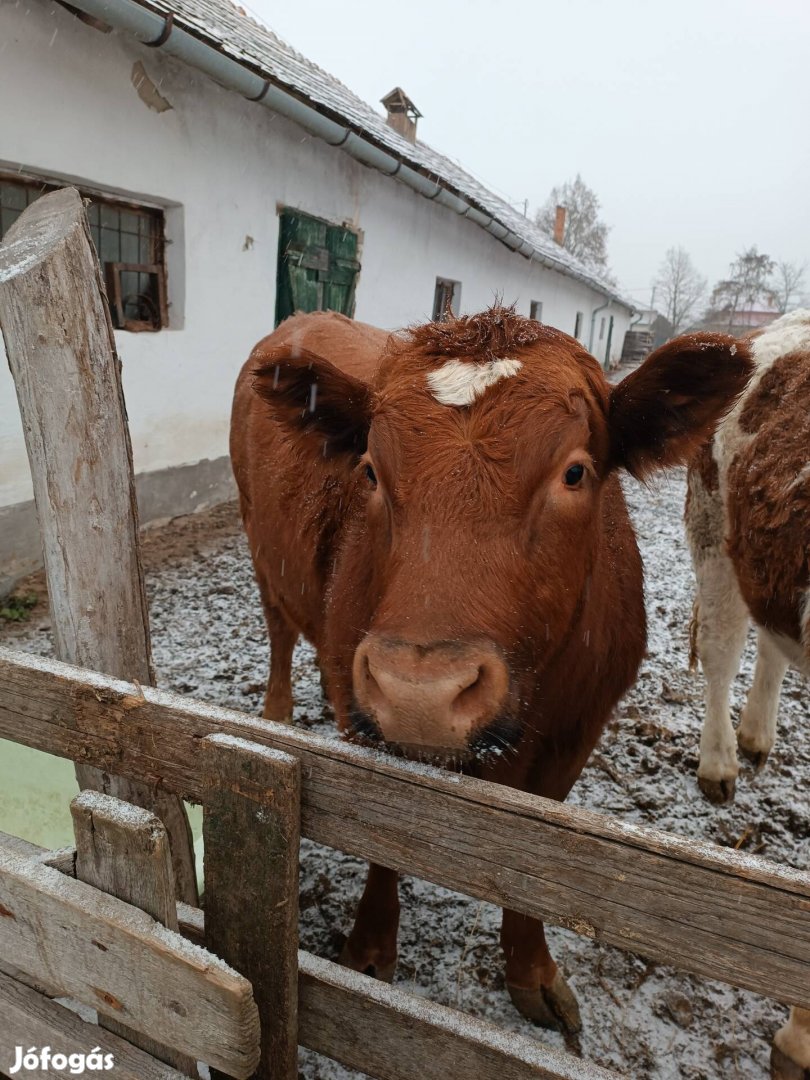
x=643, y=1019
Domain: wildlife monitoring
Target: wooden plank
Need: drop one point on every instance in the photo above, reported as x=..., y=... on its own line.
x=106, y=954
x=61, y=352
x=30, y=1019
x=123, y=850
x=64, y=859
x=393, y=1035
x=189, y=919
x=251, y=831
x=702, y=908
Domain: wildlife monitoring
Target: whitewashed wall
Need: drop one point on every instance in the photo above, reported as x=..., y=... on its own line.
x=222, y=166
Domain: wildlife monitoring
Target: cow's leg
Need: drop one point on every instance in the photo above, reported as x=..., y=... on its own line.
x=278, y=700
x=372, y=945
x=790, y=1059
x=536, y=985
x=722, y=625
x=757, y=730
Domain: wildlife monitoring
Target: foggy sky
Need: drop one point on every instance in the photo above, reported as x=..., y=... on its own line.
x=690, y=120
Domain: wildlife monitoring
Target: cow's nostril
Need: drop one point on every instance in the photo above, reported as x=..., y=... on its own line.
x=373, y=690
x=470, y=689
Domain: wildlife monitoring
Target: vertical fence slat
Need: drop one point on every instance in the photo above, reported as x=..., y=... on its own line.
x=251, y=829
x=62, y=356
x=123, y=850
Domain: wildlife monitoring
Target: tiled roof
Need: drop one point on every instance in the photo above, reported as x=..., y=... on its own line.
x=235, y=34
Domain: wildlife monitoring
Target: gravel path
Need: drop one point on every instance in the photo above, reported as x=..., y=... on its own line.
x=643, y=1019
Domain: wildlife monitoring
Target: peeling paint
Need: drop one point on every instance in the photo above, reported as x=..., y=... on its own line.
x=146, y=89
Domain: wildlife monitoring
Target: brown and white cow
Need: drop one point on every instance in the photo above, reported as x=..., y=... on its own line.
x=748, y=522
x=440, y=514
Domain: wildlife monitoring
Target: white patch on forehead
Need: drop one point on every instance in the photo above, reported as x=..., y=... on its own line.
x=460, y=382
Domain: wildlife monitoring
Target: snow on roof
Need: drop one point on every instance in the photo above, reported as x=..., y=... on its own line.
x=230, y=30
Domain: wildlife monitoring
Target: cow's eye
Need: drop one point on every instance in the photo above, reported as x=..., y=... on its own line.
x=371, y=476
x=573, y=475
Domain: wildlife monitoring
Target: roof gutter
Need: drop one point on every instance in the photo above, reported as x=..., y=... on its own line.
x=162, y=32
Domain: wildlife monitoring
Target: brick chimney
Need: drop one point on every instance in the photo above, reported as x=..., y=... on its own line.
x=402, y=113
x=559, y=226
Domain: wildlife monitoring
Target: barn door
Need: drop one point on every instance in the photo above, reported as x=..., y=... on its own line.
x=317, y=266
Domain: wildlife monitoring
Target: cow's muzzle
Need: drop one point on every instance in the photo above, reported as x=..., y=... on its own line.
x=445, y=697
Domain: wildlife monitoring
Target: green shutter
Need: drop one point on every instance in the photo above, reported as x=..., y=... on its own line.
x=317, y=266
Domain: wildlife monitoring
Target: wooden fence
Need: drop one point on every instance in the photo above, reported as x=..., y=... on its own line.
x=114, y=924
x=708, y=910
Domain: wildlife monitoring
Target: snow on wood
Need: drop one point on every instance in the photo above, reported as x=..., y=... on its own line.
x=61, y=352
x=31, y=1019
x=707, y=910
x=251, y=828
x=123, y=850
x=115, y=958
x=413, y=1037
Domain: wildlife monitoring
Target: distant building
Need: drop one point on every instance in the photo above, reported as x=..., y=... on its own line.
x=230, y=182
x=739, y=322
x=648, y=331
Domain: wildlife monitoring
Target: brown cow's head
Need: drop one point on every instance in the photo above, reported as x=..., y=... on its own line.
x=483, y=499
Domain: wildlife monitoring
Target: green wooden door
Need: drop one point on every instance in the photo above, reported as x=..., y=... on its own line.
x=317, y=266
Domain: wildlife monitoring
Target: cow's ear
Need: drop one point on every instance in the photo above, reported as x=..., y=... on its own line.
x=662, y=412
x=308, y=393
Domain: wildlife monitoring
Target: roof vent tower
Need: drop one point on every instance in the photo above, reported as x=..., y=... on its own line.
x=402, y=113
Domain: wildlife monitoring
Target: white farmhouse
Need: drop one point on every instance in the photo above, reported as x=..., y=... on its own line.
x=231, y=181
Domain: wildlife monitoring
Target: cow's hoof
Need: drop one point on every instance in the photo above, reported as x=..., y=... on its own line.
x=718, y=791
x=549, y=1006
x=379, y=969
x=751, y=753
x=785, y=1068
x=278, y=716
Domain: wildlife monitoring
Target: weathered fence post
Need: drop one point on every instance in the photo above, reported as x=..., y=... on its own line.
x=123, y=850
x=251, y=828
x=61, y=351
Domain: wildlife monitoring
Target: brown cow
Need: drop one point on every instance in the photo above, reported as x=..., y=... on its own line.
x=748, y=522
x=440, y=514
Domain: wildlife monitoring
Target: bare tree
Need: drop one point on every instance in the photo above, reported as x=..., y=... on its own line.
x=585, y=233
x=747, y=286
x=786, y=284
x=680, y=286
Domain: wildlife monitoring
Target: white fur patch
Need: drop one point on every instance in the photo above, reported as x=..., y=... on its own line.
x=460, y=382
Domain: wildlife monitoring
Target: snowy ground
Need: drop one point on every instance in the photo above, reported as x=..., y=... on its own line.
x=640, y=1018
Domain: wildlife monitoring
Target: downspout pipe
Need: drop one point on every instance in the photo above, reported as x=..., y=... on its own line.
x=594, y=313
x=162, y=32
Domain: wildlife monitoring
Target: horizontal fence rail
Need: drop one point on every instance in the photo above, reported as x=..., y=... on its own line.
x=705, y=909
x=31, y=1019
x=337, y=1008
x=103, y=953
x=412, y=1037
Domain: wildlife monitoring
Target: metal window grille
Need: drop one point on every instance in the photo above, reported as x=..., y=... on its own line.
x=130, y=246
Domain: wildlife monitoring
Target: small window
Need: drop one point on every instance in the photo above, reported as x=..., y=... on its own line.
x=602, y=328
x=578, y=324
x=130, y=246
x=536, y=310
x=446, y=299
